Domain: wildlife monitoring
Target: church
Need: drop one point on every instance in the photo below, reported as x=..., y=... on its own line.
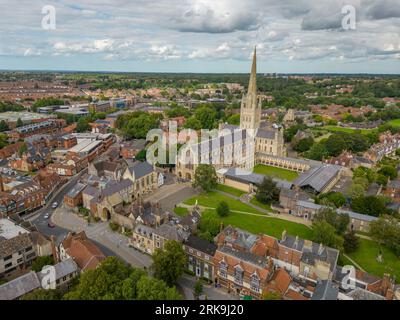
x=236, y=146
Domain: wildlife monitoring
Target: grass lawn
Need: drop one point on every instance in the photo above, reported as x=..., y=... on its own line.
x=231, y=190
x=394, y=123
x=366, y=255
x=213, y=198
x=278, y=173
x=347, y=130
x=261, y=205
x=262, y=225
x=181, y=211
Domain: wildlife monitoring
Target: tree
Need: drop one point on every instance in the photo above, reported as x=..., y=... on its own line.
x=336, y=199
x=40, y=262
x=223, y=209
x=3, y=140
x=351, y=242
x=3, y=126
x=386, y=231
x=19, y=123
x=304, y=144
x=325, y=233
x=198, y=289
x=193, y=123
x=369, y=205
x=356, y=190
x=22, y=149
x=388, y=171
x=207, y=117
x=339, y=221
x=83, y=124
x=267, y=191
x=154, y=289
x=43, y=294
x=169, y=263
x=205, y=177
x=335, y=144
x=234, y=119
x=317, y=152
x=208, y=227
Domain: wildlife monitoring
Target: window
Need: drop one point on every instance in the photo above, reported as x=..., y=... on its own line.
x=223, y=270
x=8, y=258
x=255, y=283
x=239, y=275
x=8, y=265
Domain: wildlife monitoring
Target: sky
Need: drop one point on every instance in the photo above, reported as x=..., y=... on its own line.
x=291, y=36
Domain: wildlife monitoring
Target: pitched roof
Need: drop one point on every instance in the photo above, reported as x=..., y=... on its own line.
x=201, y=245
x=325, y=291
x=61, y=269
x=16, y=288
x=318, y=177
x=141, y=169
x=84, y=252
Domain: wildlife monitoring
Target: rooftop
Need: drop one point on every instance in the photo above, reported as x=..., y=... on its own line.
x=18, y=287
x=9, y=230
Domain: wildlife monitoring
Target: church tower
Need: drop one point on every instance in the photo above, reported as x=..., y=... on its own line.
x=250, y=110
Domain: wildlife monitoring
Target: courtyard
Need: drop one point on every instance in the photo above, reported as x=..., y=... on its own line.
x=277, y=173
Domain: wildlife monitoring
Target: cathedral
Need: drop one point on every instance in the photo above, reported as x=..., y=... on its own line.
x=266, y=140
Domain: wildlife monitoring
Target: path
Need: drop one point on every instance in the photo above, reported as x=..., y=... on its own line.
x=353, y=262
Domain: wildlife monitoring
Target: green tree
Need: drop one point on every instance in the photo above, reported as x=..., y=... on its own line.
x=154, y=289
x=267, y=191
x=388, y=171
x=193, y=123
x=43, y=294
x=386, y=231
x=19, y=123
x=369, y=205
x=198, y=289
x=272, y=295
x=336, y=199
x=83, y=124
x=335, y=144
x=317, y=152
x=207, y=117
x=3, y=126
x=325, y=233
x=40, y=262
x=169, y=263
x=339, y=221
x=3, y=140
x=208, y=227
x=205, y=177
x=351, y=242
x=356, y=190
x=304, y=144
x=22, y=149
x=223, y=209
x=234, y=119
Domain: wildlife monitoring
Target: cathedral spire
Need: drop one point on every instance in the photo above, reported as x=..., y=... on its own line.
x=253, y=75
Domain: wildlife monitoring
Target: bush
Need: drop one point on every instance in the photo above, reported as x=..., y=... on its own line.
x=114, y=227
x=223, y=209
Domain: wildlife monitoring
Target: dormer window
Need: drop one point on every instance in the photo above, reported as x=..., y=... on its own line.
x=255, y=282
x=223, y=269
x=239, y=274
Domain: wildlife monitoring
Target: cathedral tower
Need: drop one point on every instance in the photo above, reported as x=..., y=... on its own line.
x=250, y=110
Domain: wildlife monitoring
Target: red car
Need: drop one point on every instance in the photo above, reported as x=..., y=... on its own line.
x=51, y=225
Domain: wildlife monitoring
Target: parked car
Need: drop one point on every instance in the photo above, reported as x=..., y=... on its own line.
x=47, y=216
x=51, y=225
x=54, y=205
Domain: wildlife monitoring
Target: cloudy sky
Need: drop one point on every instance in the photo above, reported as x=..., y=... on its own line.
x=201, y=35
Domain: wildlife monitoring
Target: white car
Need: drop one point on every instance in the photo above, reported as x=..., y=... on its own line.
x=54, y=205
x=47, y=215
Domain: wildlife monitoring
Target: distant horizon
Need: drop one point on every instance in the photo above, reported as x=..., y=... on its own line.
x=222, y=73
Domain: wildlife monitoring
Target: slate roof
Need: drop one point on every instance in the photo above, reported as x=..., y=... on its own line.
x=265, y=134
x=171, y=232
x=61, y=269
x=325, y=291
x=113, y=188
x=201, y=245
x=318, y=177
x=362, y=294
x=141, y=169
x=76, y=190
x=245, y=256
x=312, y=252
x=9, y=246
x=395, y=184
x=16, y=288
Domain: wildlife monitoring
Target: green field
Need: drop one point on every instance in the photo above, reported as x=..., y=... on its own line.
x=274, y=172
x=261, y=205
x=395, y=123
x=262, y=225
x=181, y=211
x=366, y=255
x=230, y=190
x=212, y=199
x=347, y=130
x=257, y=224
